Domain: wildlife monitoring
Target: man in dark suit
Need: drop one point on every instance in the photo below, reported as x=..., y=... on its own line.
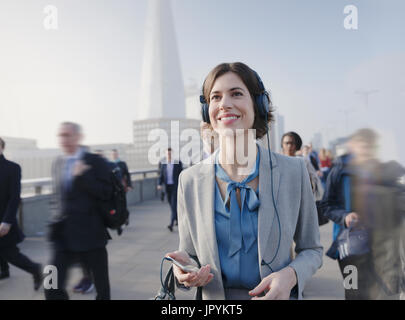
x=169, y=176
x=10, y=233
x=81, y=183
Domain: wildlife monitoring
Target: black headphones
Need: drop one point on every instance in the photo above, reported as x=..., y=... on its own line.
x=262, y=102
x=263, y=105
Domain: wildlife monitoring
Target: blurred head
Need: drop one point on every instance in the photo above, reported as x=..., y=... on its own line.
x=306, y=150
x=114, y=154
x=2, y=146
x=169, y=154
x=230, y=90
x=99, y=153
x=363, y=145
x=70, y=136
x=291, y=143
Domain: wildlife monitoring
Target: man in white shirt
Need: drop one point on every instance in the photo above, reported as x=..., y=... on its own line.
x=169, y=176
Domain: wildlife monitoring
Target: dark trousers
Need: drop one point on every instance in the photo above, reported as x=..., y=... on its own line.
x=3, y=266
x=96, y=261
x=172, y=199
x=13, y=256
x=366, y=277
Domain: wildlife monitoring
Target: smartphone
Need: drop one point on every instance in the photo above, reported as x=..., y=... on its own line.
x=185, y=268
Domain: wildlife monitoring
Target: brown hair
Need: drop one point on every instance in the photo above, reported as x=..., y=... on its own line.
x=2, y=143
x=249, y=78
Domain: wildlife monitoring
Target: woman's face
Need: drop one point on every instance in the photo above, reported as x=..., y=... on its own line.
x=231, y=106
x=288, y=146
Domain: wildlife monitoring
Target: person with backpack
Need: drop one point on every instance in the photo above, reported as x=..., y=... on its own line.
x=124, y=172
x=81, y=186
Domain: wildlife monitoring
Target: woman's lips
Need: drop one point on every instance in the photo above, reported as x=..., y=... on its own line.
x=228, y=119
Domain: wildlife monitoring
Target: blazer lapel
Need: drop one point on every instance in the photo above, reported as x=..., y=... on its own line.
x=268, y=231
x=207, y=206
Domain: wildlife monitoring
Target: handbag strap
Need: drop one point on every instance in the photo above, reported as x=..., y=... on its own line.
x=199, y=289
x=168, y=284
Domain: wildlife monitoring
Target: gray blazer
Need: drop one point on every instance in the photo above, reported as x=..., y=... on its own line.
x=295, y=205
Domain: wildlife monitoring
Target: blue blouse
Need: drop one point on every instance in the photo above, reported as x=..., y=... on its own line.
x=236, y=230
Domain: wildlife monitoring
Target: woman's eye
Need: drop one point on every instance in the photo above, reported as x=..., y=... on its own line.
x=215, y=98
x=238, y=93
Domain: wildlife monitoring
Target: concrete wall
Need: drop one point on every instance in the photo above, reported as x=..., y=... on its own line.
x=34, y=212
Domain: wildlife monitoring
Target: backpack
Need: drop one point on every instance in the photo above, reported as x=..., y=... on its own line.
x=115, y=212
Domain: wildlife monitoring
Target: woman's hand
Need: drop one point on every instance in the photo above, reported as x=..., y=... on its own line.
x=277, y=285
x=190, y=279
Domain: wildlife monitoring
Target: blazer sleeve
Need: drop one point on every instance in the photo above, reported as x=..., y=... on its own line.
x=13, y=203
x=185, y=240
x=332, y=202
x=307, y=238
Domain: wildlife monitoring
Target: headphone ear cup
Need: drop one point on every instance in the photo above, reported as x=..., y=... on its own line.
x=262, y=102
x=204, y=109
x=205, y=113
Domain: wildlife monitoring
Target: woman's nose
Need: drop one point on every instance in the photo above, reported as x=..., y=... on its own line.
x=225, y=102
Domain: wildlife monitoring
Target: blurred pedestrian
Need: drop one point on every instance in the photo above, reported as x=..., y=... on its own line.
x=291, y=144
x=169, y=177
x=10, y=233
x=314, y=158
x=325, y=164
x=162, y=191
x=362, y=198
x=126, y=176
x=330, y=156
x=4, y=269
x=81, y=184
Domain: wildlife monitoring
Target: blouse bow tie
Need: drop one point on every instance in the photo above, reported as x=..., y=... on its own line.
x=242, y=231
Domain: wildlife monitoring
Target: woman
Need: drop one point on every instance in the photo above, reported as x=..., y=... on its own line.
x=291, y=143
x=230, y=220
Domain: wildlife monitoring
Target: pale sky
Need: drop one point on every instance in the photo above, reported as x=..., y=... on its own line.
x=89, y=69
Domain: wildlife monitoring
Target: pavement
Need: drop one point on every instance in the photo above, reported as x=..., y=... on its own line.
x=135, y=257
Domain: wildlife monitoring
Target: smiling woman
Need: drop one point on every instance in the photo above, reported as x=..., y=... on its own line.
x=237, y=82
x=227, y=219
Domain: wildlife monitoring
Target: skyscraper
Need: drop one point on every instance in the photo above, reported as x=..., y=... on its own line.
x=162, y=99
x=162, y=88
